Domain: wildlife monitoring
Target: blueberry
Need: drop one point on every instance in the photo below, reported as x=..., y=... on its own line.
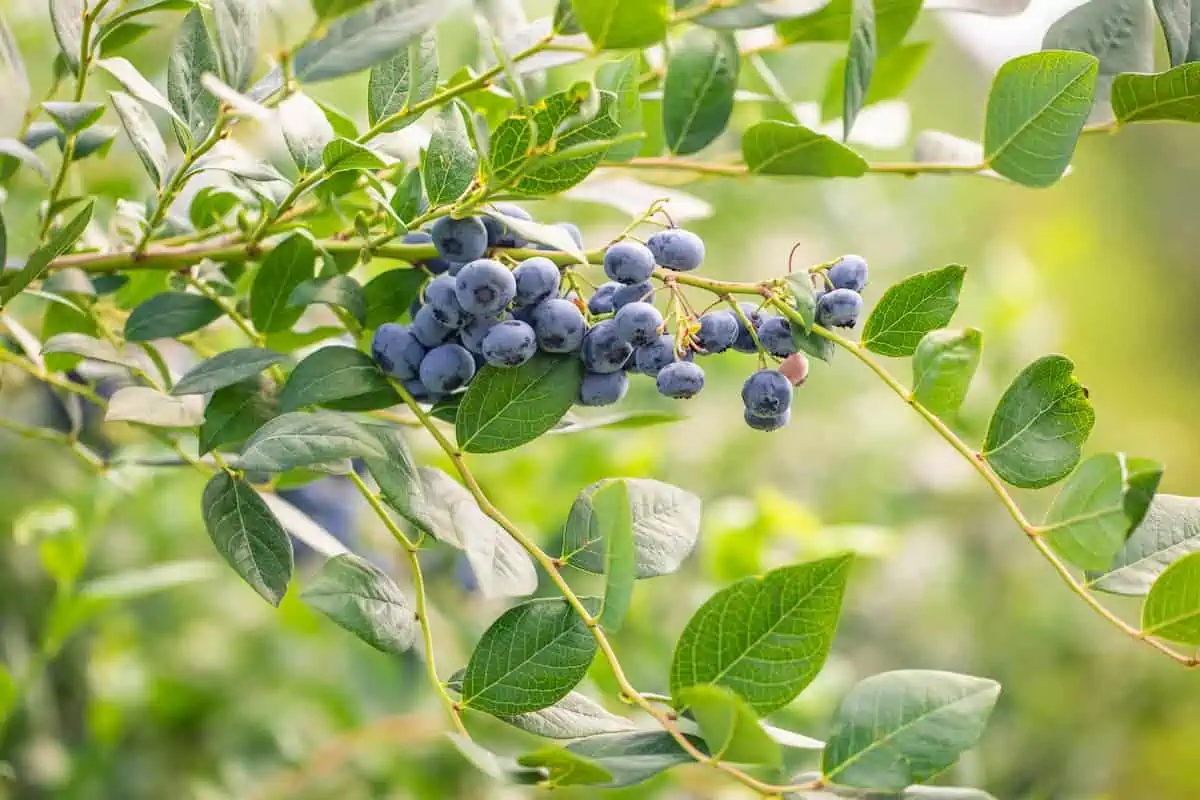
x=602, y=388
x=397, y=351
x=421, y=392
x=744, y=343
x=456, y=267
x=473, y=332
x=428, y=329
x=638, y=292
x=628, y=262
x=775, y=333
x=440, y=297
x=499, y=234
x=537, y=279
x=680, y=380
x=603, y=350
x=435, y=265
x=839, y=308
x=677, y=249
x=638, y=323
x=484, y=287
x=447, y=367
x=463, y=239
x=509, y=344
x=767, y=393
x=718, y=330
x=767, y=423
x=849, y=272
x=601, y=302
x=559, y=326
x=650, y=358
x=573, y=231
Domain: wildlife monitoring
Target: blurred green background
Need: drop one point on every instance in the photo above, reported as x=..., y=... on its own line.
x=203, y=691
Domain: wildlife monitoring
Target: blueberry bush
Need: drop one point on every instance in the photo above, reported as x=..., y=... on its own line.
x=451, y=311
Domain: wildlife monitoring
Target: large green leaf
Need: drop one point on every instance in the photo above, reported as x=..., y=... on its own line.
x=170, y=314
x=290, y=263
x=665, y=525
x=912, y=308
x=764, y=637
x=396, y=474
x=943, y=365
x=904, y=727
x=237, y=35
x=1170, y=530
x=772, y=147
x=450, y=162
x=530, y=658
x=247, y=535
x=361, y=598
x=226, y=369
x=407, y=78
x=702, y=74
x=191, y=57
x=505, y=408
x=1041, y=422
x=234, y=413
x=729, y=726
x=622, y=79
x=306, y=131
x=389, y=294
x=832, y=23
x=617, y=24
x=1172, y=609
x=66, y=17
x=143, y=135
x=860, y=62
x=1037, y=106
x=299, y=439
x=1171, y=95
x=1099, y=506
x=338, y=376
x=39, y=260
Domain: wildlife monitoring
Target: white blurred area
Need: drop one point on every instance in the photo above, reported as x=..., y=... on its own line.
x=993, y=40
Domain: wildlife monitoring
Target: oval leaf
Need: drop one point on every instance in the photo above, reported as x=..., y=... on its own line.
x=1172, y=609
x=1171, y=95
x=617, y=24
x=698, y=92
x=248, y=536
x=234, y=413
x=1170, y=531
x=289, y=264
x=505, y=408
x=340, y=376
x=943, y=365
x=236, y=26
x=860, y=62
x=191, y=58
x=780, y=148
x=146, y=140
x=151, y=407
x=361, y=598
x=406, y=79
x=729, y=726
x=300, y=440
x=912, y=308
x=341, y=291
x=226, y=369
x=450, y=162
x=170, y=314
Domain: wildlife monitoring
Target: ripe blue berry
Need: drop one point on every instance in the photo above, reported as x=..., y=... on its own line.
x=559, y=326
x=680, y=380
x=638, y=323
x=440, y=298
x=767, y=393
x=473, y=332
x=447, y=367
x=677, y=249
x=602, y=388
x=849, y=272
x=509, y=344
x=767, y=423
x=499, y=234
x=463, y=239
x=775, y=333
x=484, y=287
x=650, y=358
x=628, y=262
x=435, y=265
x=637, y=293
x=744, y=343
x=718, y=331
x=429, y=330
x=603, y=350
x=420, y=391
x=397, y=351
x=839, y=308
x=537, y=279
x=602, y=301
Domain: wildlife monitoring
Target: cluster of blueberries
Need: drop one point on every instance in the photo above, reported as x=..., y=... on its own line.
x=477, y=311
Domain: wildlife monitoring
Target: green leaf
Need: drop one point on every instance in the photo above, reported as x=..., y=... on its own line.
x=341, y=377
x=567, y=118
x=894, y=72
x=301, y=439
x=1100, y=505
x=530, y=658
x=1170, y=530
x=289, y=264
x=860, y=62
x=943, y=365
x=1171, y=95
x=506, y=408
x=833, y=23
x=574, y=717
x=237, y=34
x=406, y=79
x=1036, y=108
x=813, y=343
x=409, y=197
x=1042, y=420
x=613, y=518
x=66, y=17
x=510, y=147
x=450, y=163
x=397, y=476
x=148, y=406
x=361, y=598
x=93, y=141
x=136, y=85
x=329, y=9
x=912, y=308
x=772, y=147
x=11, y=148
x=234, y=413
x=635, y=756
x=702, y=74
x=764, y=637
x=39, y=260
x=665, y=520
x=622, y=79
x=74, y=117
x=340, y=290
x=226, y=369
x=89, y=347
x=904, y=727
x=342, y=155
x=1178, y=21
x=618, y=24
x=565, y=767
x=248, y=536
x=143, y=135
x=1118, y=33
x=306, y=131
x=729, y=726
x=170, y=314
x=1172, y=609
x=389, y=294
